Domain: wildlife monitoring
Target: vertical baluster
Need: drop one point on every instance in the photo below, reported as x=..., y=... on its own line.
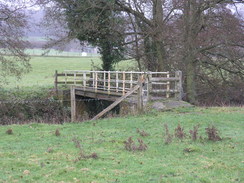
x=149, y=87
x=93, y=79
x=96, y=79
x=123, y=82
x=75, y=78
x=104, y=80
x=84, y=80
x=109, y=82
x=131, y=79
x=117, y=81
x=65, y=78
x=168, y=87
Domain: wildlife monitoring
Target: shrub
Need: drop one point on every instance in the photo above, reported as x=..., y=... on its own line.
x=82, y=154
x=9, y=131
x=142, y=132
x=57, y=132
x=194, y=133
x=168, y=137
x=31, y=105
x=131, y=146
x=179, y=132
x=212, y=133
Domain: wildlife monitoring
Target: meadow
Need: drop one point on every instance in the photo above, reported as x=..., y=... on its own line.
x=43, y=69
x=33, y=153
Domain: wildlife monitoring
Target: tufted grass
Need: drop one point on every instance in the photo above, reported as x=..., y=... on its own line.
x=33, y=153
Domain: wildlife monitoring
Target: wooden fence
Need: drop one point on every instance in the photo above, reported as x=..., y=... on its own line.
x=156, y=84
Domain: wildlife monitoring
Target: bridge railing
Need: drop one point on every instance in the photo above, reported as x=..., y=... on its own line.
x=155, y=84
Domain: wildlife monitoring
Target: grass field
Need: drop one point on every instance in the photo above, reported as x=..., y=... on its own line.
x=53, y=52
x=34, y=154
x=43, y=69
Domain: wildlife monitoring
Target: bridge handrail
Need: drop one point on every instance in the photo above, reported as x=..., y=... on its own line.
x=126, y=72
x=155, y=83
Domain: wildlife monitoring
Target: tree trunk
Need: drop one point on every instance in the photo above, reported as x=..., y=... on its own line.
x=158, y=38
x=191, y=28
x=191, y=80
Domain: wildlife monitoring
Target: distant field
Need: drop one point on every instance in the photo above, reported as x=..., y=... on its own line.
x=34, y=154
x=56, y=53
x=43, y=69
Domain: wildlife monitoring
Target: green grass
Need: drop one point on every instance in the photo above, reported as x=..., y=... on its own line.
x=216, y=162
x=53, y=52
x=43, y=69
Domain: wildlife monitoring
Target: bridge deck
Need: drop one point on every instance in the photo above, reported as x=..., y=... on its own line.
x=99, y=94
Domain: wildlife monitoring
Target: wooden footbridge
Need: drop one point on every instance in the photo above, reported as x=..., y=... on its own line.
x=116, y=86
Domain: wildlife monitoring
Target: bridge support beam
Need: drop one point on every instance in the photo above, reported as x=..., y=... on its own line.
x=73, y=104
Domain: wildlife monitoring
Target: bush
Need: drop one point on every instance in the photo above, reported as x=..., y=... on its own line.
x=23, y=106
x=212, y=133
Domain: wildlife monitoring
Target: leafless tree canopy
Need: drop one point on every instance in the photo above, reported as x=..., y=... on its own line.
x=13, y=60
x=203, y=38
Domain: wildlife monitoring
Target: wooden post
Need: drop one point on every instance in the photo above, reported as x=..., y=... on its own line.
x=96, y=79
x=149, y=87
x=65, y=75
x=140, y=95
x=109, y=75
x=93, y=79
x=117, y=81
x=56, y=82
x=104, y=80
x=75, y=78
x=178, y=86
x=84, y=80
x=131, y=79
x=73, y=103
x=168, y=87
x=123, y=88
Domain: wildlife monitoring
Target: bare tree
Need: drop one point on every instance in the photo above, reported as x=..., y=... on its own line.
x=13, y=60
x=201, y=37
x=209, y=41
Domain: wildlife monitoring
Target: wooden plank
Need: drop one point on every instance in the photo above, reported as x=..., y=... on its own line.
x=69, y=82
x=84, y=80
x=164, y=91
x=67, y=74
x=165, y=79
x=75, y=78
x=116, y=103
x=117, y=81
x=91, y=89
x=131, y=79
x=93, y=79
x=65, y=78
x=96, y=79
x=158, y=83
x=123, y=83
x=104, y=79
x=109, y=77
